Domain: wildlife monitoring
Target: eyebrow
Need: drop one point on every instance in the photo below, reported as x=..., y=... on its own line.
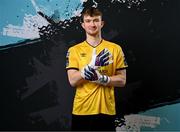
x=91, y=19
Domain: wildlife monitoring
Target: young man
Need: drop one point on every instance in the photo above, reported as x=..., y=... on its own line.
x=94, y=67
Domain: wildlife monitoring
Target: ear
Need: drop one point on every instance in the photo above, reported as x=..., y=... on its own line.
x=102, y=23
x=82, y=24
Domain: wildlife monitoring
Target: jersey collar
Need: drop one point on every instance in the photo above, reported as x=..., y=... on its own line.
x=94, y=46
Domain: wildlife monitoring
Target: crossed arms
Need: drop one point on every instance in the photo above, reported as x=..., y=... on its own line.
x=117, y=80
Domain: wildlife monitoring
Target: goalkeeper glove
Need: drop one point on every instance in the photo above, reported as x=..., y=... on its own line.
x=102, y=59
x=88, y=73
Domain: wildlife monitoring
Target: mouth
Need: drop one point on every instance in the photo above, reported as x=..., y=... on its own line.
x=92, y=29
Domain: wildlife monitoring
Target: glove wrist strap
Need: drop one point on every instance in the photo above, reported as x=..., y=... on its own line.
x=104, y=80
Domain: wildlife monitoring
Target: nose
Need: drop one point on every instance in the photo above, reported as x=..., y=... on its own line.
x=92, y=23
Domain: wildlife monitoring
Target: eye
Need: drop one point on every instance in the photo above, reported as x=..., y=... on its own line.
x=87, y=20
x=96, y=20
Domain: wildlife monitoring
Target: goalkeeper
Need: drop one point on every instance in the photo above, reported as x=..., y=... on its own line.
x=94, y=67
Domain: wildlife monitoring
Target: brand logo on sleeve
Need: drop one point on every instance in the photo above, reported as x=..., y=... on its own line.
x=67, y=59
x=83, y=54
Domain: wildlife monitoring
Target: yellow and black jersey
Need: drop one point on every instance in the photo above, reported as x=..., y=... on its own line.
x=92, y=98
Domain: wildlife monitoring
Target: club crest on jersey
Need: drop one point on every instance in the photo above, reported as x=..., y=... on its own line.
x=103, y=70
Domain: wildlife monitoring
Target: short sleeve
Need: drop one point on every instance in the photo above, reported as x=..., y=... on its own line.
x=120, y=60
x=71, y=59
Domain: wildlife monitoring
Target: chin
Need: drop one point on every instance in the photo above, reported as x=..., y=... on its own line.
x=93, y=33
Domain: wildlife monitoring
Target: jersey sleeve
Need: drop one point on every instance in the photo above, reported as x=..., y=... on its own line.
x=71, y=59
x=121, y=60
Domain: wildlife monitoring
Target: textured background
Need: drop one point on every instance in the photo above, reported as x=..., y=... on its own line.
x=35, y=35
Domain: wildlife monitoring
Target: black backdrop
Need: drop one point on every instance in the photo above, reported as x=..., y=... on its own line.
x=35, y=93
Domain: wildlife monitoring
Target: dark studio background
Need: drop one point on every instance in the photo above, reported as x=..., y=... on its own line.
x=35, y=93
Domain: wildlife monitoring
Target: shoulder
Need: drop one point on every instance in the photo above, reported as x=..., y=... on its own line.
x=112, y=44
x=76, y=46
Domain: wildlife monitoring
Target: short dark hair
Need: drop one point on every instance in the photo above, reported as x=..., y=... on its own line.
x=92, y=11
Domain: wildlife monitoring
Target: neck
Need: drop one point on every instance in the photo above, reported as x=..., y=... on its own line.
x=94, y=40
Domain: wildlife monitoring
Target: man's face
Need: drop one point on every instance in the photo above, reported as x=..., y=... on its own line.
x=92, y=25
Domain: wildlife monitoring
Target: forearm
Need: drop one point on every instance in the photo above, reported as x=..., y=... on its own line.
x=75, y=78
x=118, y=80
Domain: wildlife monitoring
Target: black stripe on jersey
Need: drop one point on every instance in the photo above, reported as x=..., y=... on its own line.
x=121, y=68
x=72, y=68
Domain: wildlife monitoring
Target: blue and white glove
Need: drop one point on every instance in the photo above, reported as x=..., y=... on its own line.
x=88, y=73
x=102, y=59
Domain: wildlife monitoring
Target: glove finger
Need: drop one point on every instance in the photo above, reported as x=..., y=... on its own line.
x=106, y=60
x=90, y=73
x=103, y=56
x=87, y=74
x=111, y=61
x=93, y=73
x=102, y=52
x=88, y=77
x=95, y=76
x=99, y=57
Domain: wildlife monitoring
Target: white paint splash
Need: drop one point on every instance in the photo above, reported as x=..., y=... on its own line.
x=77, y=12
x=129, y=3
x=35, y=5
x=29, y=29
x=83, y=1
x=95, y=4
x=135, y=122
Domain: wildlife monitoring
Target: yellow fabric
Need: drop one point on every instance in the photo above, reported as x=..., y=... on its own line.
x=92, y=98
